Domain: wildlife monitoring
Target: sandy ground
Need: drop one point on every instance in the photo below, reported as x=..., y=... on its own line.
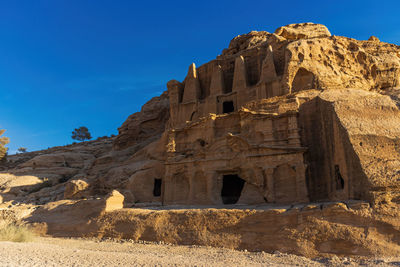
x=79, y=252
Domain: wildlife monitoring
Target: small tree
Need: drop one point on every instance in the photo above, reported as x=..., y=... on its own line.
x=3, y=141
x=22, y=150
x=81, y=134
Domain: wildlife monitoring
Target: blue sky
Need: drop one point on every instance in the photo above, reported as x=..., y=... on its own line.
x=69, y=63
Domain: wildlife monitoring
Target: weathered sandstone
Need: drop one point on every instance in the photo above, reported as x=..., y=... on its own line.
x=114, y=201
x=286, y=141
x=303, y=31
x=74, y=188
x=149, y=123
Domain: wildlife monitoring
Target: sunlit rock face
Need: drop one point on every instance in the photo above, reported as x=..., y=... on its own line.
x=279, y=119
x=275, y=112
x=259, y=112
x=146, y=124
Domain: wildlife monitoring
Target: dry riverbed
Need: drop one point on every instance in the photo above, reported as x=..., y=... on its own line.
x=80, y=252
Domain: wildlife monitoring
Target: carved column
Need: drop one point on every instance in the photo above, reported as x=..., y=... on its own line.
x=214, y=187
x=269, y=193
x=259, y=180
x=301, y=186
x=268, y=131
x=190, y=176
x=293, y=131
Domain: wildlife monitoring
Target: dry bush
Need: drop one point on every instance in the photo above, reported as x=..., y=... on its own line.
x=15, y=232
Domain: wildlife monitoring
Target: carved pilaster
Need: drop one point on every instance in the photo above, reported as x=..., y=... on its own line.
x=293, y=131
x=268, y=72
x=239, y=75
x=192, y=90
x=217, y=86
x=269, y=193
x=301, y=186
x=192, y=189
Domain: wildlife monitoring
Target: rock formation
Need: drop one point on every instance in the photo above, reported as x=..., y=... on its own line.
x=276, y=122
x=149, y=123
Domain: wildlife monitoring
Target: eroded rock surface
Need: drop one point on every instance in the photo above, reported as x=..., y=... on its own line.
x=303, y=31
x=298, y=117
x=149, y=123
x=75, y=188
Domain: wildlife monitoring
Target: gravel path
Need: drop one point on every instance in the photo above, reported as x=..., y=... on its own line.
x=78, y=252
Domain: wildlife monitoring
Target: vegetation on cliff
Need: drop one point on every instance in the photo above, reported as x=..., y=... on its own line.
x=3, y=141
x=81, y=134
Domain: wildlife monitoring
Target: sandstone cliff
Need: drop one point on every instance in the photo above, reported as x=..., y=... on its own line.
x=149, y=123
x=277, y=121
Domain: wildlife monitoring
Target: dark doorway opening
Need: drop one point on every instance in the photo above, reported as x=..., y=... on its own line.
x=232, y=187
x=228, y=107
x=339, y=178
x=157, y=187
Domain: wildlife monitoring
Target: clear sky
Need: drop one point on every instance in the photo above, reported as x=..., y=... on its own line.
x=71, y=63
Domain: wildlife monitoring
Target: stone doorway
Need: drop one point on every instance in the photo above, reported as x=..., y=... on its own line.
x=228, y=107
x=157, y=187
x=232, y=186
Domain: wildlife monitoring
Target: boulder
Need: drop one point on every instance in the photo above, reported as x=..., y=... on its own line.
x=303, y=31
x=75, y=188
x=114, y=201
x=373, y=39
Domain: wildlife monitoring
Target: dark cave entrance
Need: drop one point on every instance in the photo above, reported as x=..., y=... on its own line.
x=157, y=187
x=232, y=187
x=228, y=107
